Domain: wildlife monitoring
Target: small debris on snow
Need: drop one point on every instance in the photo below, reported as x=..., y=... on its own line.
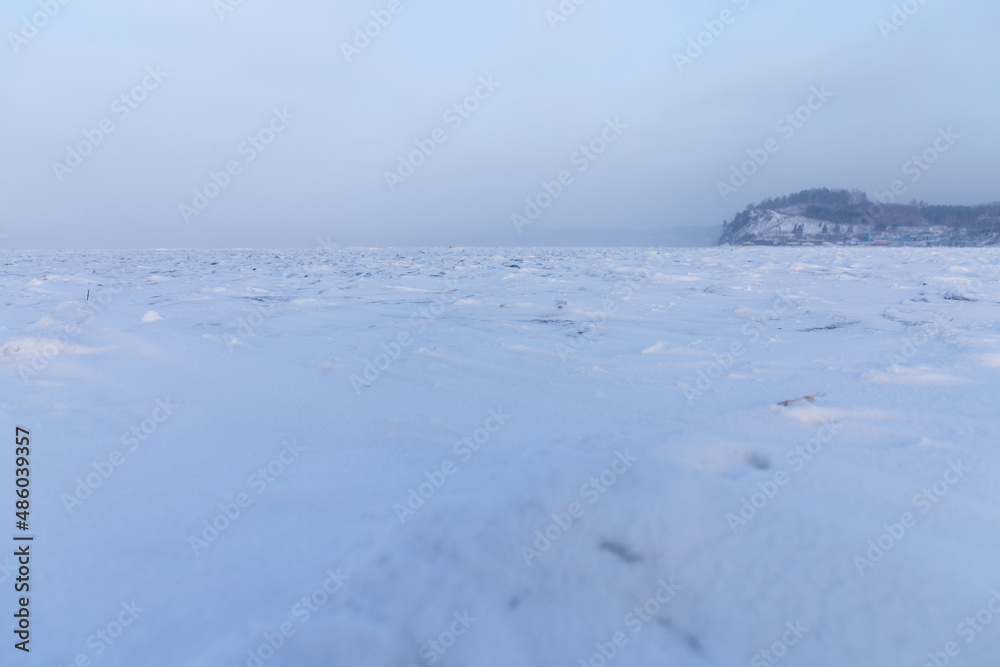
x=811, y=399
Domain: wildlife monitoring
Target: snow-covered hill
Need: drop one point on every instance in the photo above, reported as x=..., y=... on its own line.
x=841, y=217
x=777, y=227
x=491, y=458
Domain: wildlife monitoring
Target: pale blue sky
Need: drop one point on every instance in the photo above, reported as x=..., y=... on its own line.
x=324, y=176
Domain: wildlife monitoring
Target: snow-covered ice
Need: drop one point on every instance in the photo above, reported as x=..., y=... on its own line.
x=489, y=457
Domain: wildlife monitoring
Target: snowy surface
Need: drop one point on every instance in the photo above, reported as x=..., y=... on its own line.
x=777, y=225
x=674, y=361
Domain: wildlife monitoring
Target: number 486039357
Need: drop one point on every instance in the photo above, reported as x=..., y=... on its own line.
x=22, y=462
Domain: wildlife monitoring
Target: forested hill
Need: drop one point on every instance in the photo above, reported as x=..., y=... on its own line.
x=842, y=217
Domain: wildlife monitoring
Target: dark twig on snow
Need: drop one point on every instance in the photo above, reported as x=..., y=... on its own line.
x=811, y=399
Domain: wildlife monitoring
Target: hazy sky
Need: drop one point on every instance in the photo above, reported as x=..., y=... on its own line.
x=278, y=72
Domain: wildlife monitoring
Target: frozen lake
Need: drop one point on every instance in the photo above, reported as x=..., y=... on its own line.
x=490, y=457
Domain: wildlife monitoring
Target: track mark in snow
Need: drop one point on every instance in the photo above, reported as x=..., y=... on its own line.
x=830, y=327
x=727, y=459
x=620, y=550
